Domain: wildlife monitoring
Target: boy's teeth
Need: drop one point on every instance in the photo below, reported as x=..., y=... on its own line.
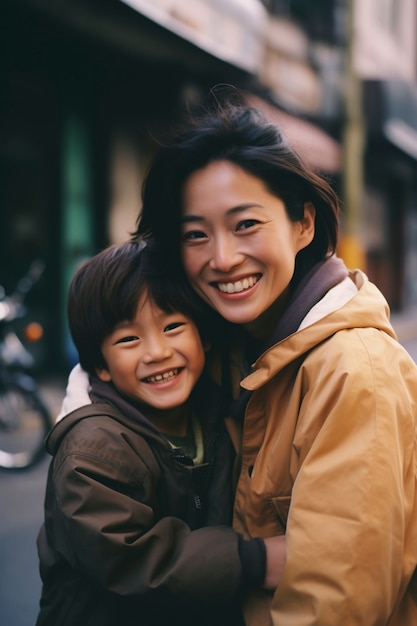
x=239, y=285
x=164, y=376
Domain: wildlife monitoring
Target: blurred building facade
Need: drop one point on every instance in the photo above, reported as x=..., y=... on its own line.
x=90, y=85
x=351, y=66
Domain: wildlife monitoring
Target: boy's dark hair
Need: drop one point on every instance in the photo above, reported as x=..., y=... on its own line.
x=106, y=289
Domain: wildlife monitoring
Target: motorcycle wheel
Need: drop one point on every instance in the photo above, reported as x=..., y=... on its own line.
x=24, y=424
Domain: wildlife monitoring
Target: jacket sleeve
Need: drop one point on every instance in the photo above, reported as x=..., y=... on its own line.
x=105, y=524
x=353, y=500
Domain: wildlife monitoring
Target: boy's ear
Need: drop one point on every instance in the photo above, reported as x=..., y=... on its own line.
x=104, y=375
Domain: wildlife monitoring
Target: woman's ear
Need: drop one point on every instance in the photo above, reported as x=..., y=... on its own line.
x=103, y=375
x=306, y=225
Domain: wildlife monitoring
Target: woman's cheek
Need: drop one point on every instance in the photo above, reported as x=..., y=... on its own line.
x=189, y=263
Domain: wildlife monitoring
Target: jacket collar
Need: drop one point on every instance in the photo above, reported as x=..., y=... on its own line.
x=367, y=309
x=312, y=287
x=104, y=391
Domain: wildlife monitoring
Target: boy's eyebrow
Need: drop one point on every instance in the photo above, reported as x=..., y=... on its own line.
x=236, y=209
x=121, y=324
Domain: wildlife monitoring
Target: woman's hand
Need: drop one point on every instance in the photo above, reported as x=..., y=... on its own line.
x=276, y=558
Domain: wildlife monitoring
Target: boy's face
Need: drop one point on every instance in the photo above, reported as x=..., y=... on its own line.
x=156, y=358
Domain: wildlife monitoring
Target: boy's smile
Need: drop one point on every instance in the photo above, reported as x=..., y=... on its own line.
x=155, y=359
x=162, y=377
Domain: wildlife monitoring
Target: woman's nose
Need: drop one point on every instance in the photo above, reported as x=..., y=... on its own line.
x=225, y=254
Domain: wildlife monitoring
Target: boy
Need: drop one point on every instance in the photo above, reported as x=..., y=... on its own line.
x=136, y=474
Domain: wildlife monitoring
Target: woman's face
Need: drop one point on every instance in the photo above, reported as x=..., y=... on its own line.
x=239, y=245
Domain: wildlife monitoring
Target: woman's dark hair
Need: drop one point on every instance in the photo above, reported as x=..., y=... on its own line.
x=239, y=134
x=106, y=290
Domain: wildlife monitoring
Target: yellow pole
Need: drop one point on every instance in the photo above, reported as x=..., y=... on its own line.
x=351, y=248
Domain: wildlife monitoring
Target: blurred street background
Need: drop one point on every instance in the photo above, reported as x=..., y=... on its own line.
x=88, y=89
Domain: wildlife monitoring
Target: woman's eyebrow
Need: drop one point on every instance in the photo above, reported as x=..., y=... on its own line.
x=191, y=218
x=236, y=209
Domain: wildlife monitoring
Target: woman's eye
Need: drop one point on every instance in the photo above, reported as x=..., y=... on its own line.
x=244, y=224
x=193, y=235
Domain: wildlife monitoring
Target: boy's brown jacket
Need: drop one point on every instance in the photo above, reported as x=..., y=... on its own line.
x=122, y=541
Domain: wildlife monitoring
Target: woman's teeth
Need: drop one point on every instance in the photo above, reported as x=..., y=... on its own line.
x=239, y=285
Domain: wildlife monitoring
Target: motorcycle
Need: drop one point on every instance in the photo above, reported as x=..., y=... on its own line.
x=24, y=417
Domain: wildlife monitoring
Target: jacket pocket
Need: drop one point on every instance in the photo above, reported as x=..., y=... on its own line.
x=281, y=506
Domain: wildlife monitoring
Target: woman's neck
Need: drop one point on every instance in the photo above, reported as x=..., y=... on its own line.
x=262, y=328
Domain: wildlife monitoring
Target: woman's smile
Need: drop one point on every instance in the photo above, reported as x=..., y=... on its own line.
x=233, y=286
x=238, y=243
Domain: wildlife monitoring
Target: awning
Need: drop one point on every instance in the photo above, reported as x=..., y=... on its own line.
x=219, y=37
x=231, y=30
x=313, y=144
x=391, y=110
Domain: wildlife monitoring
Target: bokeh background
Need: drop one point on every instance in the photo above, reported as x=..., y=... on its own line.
x=88, y=87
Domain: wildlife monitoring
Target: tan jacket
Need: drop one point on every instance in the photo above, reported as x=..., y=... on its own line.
x=329, y=458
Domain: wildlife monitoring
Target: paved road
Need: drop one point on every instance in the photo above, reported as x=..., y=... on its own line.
x=21, y=515
x=21, y=496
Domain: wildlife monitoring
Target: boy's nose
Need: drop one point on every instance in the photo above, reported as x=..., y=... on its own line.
x=156, y=349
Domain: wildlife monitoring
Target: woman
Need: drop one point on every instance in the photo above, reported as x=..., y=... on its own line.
x=330, y=397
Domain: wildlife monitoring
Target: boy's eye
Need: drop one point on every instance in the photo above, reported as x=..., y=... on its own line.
x=127, y=339
x=244, y=224
x=173, y=326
